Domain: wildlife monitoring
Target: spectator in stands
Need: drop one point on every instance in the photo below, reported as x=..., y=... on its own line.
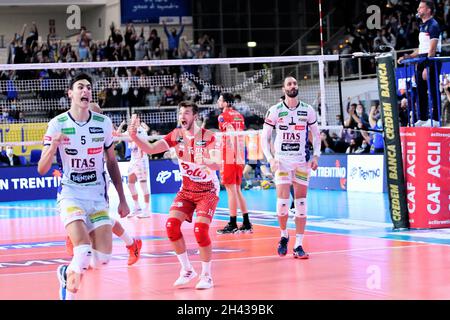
x=131, y=38
x=169, y=98
x=6, y=116
x=242, y=107
x=9, y=158
x=141, y=47
x=84, y=36
x=377, y=142
x=173, y=39
x=403, y=113
x=154, y=45
x=327, y=144
x=33, y=37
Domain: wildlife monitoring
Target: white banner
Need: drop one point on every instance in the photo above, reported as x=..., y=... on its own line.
x=365, y=173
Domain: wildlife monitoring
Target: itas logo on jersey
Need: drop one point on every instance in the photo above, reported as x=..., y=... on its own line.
x=292, y=136
x=83, y=163
x=84, y=177
x=95, y=130
x=95, y=150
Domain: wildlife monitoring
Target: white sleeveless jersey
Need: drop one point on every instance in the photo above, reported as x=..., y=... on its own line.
x=82, y=155
x=291, y=131
x=137, y=155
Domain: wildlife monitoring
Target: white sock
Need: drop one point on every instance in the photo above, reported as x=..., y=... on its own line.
x=298, y=240
x=136, y=205
x=127, y=239
x=206, y=268
x=284, y=233
x=70, y=295
x=184, y=260
x=147, y=207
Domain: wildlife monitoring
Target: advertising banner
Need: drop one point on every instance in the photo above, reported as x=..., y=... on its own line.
x=25, y=183
x=150, y=11
x=365, y=173
x=165, y=176
x=426, y=158
x=331, y=174
x=22, y=132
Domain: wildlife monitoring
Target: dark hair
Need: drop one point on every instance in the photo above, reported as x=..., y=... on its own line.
x=228, y=97
x=429, y=4
x=78, y=77
x=189, y=104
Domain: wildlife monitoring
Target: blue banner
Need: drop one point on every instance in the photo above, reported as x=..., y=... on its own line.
x=403, y=78
x=331, y=174
x=149, y=11
x=165, y=176
x=25, y=183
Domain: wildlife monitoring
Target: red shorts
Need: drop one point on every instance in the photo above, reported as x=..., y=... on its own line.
x=232, y=174
x=204, y=203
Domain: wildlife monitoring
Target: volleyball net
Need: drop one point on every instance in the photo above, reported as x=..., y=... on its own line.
x=32, y=94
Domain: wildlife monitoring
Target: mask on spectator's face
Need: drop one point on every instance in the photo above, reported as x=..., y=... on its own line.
x=364, y=145
x=135, y=92
x=114, y=92
x=9, y=152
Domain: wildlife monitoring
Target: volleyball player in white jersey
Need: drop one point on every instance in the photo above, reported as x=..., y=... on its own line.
x=291, y=163
x=138, y=171
x=133, y=245
x=83, y=140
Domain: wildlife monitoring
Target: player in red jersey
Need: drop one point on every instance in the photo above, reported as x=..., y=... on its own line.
x=233, y=162
x=198, y=158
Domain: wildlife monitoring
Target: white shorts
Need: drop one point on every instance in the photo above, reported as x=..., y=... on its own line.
x=289, y=173
x=139, y=169
x=93, y=213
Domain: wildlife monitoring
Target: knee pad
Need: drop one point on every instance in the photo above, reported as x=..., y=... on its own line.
x=300, y=208
x=173, y=227
x=99, y=259
x=81, y=257
x=283, y=207
x=144, y=186
x=132, y=188
x=201, y=231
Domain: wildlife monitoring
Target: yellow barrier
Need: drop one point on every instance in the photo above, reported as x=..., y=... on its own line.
x=23, y=132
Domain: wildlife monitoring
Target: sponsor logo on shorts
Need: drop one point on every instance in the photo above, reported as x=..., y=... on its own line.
x=282, y=174
x=71, y=152
x=63, y=119
x=290, y=147
x=101, y=139
x=84, y=177
x=302, y=113
x=283, y=127
x=68, y=130
x=98, y=118
x=99, y=216
x=95, y=150
x=299, y=127
x=95, y=130
x=74, y=211
x=301, y=175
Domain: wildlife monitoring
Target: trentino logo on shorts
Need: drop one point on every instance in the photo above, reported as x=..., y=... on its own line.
x=98, y=118
x=95, y=130
x=68, y=130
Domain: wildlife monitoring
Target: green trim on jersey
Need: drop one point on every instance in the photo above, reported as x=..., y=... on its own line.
x=98, y=118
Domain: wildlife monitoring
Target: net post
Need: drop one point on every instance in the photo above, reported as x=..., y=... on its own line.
x=392, y=151
x=323, y=116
